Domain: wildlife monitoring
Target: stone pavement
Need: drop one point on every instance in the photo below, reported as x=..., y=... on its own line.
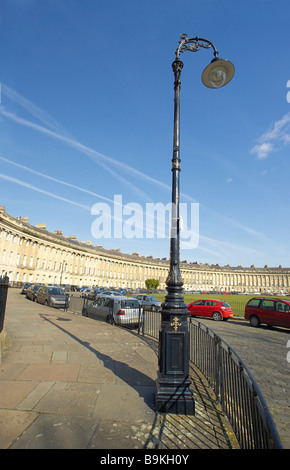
x=71, y=382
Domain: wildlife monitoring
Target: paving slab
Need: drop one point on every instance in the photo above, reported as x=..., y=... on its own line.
x=12, y=425
x=13, y=392
x=48, y=372
x=51, y=431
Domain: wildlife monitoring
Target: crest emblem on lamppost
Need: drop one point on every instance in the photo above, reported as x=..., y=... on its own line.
x=175, y=324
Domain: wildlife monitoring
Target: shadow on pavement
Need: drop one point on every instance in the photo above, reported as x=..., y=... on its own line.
x=133, y=377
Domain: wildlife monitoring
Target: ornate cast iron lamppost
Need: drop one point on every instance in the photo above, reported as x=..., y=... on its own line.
x=172, y=385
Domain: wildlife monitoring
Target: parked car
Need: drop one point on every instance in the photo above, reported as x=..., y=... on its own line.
x=216, y=309
x=75, y=288
x=86, y=292
x=91, y=294
x=32, y=291
x=149, y=301
x=113, y=309
x=52, y=296
x=25, y=287
x=272, y=312
x=83, y=288
x=112, y=292
x=65, y=287
x=108, y=293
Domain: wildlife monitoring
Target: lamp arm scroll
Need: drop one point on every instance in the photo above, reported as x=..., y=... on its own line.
x=193, y=45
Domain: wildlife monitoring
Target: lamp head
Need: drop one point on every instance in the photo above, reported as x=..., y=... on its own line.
x=218, y=73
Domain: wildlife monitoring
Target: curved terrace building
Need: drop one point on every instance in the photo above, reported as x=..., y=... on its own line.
x=33, y=254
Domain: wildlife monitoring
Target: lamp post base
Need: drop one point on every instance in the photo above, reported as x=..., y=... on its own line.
x=172, y=393
x=172, y=397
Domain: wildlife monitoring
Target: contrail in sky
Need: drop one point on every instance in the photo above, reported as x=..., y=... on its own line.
x=42, y=191
x=57, y=132
x=32, y=108
x=56, y=180
x=91, y=153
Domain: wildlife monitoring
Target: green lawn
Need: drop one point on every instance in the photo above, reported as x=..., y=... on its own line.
x=237, y=302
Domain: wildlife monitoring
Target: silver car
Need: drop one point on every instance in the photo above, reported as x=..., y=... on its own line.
x=149, y=301
x=117, y=310
x=52, y=296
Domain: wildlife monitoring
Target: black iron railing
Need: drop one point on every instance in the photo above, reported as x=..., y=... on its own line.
x=233, y=384
x=4, y=282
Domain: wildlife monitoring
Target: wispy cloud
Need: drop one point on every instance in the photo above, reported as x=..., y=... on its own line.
x=113, y=202
x=36, y=111
x=42, y=191
x=228, y=248
x=54, y=130
x=262, y=150
x=272, y=138
x=56, y=180
x=97, y=157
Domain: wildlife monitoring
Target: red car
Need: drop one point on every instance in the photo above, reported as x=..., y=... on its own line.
x=275, y=312
x=216, y=309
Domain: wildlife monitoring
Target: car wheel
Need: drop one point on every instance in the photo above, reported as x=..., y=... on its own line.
x=217, y=316
x=255, y=321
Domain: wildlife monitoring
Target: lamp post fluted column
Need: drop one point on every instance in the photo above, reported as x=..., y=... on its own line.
x=173, y=393
x=172, y=386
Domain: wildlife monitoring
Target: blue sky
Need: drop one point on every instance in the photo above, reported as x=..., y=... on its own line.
x=86, y=113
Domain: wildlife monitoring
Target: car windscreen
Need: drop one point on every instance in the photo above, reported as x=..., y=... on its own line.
x=55, y=291
x=225, y=304
x=130, y=303
x=152, y=299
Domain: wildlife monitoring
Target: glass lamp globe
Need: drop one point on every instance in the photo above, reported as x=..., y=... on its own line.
x=218, y=73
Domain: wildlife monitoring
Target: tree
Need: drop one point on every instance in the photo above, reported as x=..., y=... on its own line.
x=152, y=283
